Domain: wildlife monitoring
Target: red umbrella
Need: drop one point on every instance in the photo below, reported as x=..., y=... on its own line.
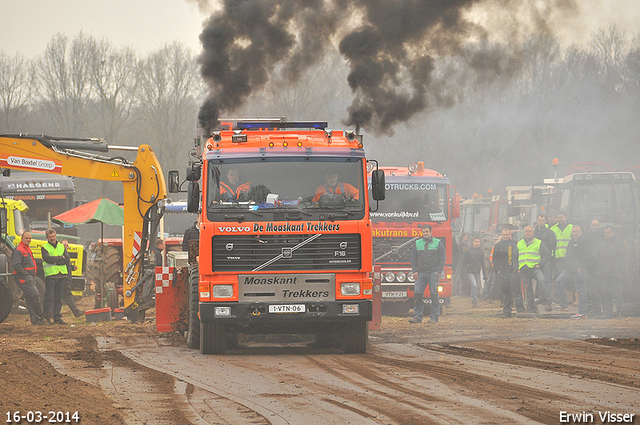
x=101, y=210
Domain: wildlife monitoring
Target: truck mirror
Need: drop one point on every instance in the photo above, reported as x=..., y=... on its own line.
x=512, y=211
x=193, y=172
x=174, y=181
x=455, y=206
x=377, y=185
x=3, y=221
x=193, y=197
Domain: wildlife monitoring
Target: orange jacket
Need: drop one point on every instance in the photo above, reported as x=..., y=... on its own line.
x=348, y=190
x=227, y=192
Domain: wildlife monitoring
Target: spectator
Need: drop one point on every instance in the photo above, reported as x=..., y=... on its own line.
x=611, y=263
x=576, y=261
x=159, y=252
x=563, y=231
x=473, y=265
x=533, y=255
x=191, y=234
x=505, y=265
x=593, y=238
x=67, y=296
x=24, y=271
x=458, y=277
x=548, y=238
x=427, y=264
x=54, y=259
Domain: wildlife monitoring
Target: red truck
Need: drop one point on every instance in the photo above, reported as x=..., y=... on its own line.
x=415, y=196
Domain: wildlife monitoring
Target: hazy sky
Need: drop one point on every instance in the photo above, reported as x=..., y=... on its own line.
x=146, y=25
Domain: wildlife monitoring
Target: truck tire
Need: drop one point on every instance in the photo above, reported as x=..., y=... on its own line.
x=355, y=336
x=213, y=338
x=6, y=301
x=112, y=295
x=193, y=331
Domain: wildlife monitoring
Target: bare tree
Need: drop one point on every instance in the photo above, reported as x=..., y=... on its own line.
x=609, y=48
x=16, y=87
x=64, y=84
x=170, y=92
x=632, y=71
x=113, y=76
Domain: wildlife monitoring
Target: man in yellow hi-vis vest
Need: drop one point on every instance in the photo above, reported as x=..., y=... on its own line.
x=532, y=257
x=562, y=230
x=54, y=260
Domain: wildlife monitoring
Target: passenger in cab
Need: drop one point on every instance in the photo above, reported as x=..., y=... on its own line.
x=331, y=185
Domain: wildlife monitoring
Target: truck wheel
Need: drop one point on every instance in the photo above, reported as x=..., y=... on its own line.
x=213, y=338
x=112, y=295
x=355, y=336
x=5, y=301
x=193, y=332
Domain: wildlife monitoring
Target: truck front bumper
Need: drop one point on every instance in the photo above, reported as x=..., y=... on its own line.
x=256, y=315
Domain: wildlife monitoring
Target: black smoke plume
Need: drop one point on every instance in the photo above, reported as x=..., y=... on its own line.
x=390, y=47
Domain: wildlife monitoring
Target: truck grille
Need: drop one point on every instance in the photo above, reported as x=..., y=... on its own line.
x=286, y=252
x=382, y=246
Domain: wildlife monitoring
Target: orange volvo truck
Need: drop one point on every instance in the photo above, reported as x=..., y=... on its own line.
x=285, y=236
x=415, y=196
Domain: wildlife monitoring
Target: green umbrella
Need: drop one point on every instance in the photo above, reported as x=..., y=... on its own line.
x=101, y=210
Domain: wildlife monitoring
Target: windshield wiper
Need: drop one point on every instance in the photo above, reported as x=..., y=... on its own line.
x=240, y=217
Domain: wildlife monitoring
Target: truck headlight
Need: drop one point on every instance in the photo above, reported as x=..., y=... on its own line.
x=350, y=288
x=401, y=276
x=222, y=291
x=350, y=309
x=222, y=311
x=410, y=277
x=389, y=276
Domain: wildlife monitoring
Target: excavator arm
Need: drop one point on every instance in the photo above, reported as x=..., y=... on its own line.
x=144, y=195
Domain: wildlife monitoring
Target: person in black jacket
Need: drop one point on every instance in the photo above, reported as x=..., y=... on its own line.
x=192, y=233
x=505, y=265
x=24, y=271
x=541, y=231
x=67, y=296
x=158, y=252
x=427, y=264
x=576, y=264
x=473, y=264
x=611, y=265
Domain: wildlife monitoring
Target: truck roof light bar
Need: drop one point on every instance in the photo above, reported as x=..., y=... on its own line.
x=269, y=124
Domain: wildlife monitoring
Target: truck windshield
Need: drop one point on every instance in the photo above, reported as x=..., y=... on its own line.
x=177, y=221
x=413, y=202
x=612, y=201
x=263, y=189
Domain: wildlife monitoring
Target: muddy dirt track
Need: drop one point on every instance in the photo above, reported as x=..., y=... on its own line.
x=471, y=368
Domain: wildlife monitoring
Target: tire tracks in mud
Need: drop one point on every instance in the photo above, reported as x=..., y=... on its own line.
x=582, y=359
x=466, y=394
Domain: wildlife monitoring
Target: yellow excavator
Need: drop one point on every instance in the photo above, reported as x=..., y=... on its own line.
x=144, y=198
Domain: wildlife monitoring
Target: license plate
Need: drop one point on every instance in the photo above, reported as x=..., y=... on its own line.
x=394, y=294
x=289, y=308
